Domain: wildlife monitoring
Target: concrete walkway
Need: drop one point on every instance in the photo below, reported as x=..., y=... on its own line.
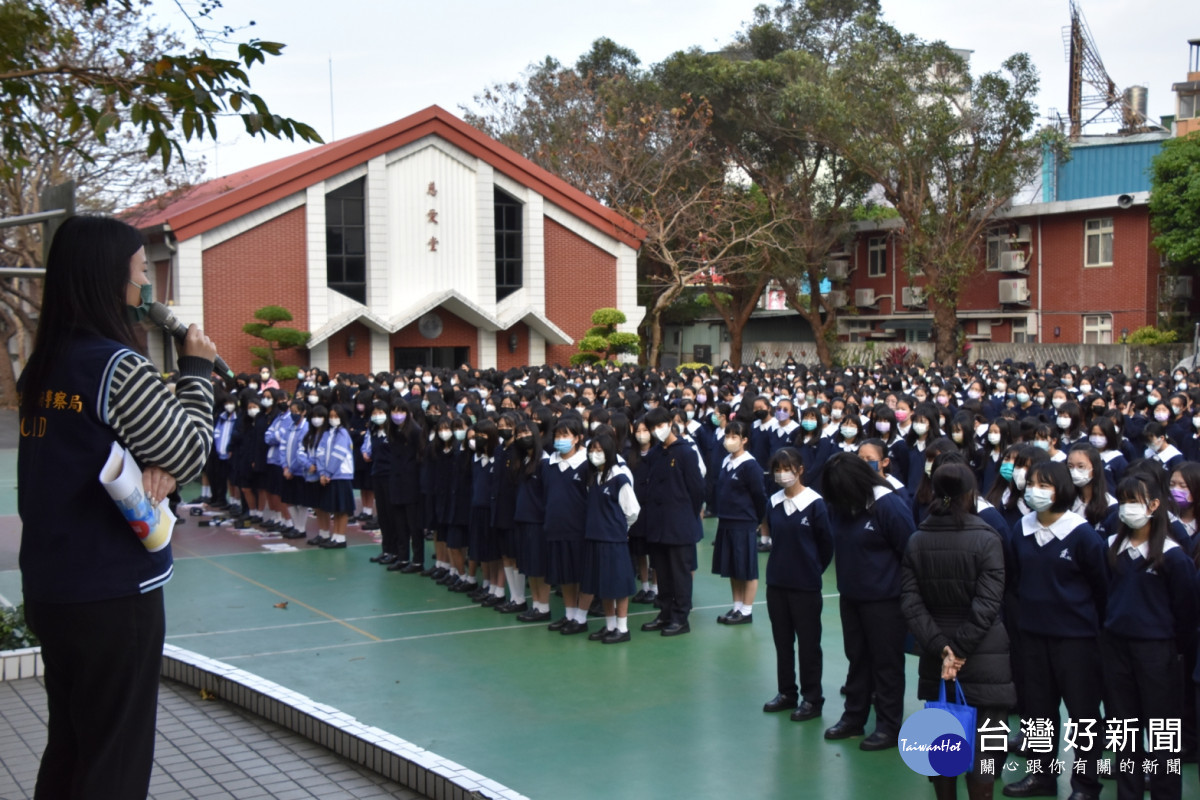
x=205, y=749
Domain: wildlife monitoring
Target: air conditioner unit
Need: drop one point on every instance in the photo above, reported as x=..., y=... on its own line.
x=837, y=269
x=864, y=297
x=1024, y=232
x=1014, y=290
x=1012, y=261
x=1177, y=286
x=912, y=296
x=837, y=299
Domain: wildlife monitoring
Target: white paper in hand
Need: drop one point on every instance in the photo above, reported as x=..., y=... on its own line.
x=122, y=479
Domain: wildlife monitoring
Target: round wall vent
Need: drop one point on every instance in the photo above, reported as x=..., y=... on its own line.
x=430, y=326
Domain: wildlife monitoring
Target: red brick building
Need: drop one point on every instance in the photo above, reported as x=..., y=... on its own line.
x=421, y=242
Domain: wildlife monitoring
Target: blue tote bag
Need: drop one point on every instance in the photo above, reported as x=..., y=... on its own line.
x=962, y=712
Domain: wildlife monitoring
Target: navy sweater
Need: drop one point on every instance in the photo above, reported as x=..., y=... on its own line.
x=802, y=541
x=869, y=548
x=1061, y=586
x=1148, y=603
x=740, y=494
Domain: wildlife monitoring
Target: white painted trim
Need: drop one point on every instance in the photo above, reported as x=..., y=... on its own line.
x=377, y=233
x=189, y=287
x=342, y=178
x=517, y=190
x=236, y=227
x=583, y=230
x=318, y=356
x=381, y=357
x=537, y=348
x=318, y=290
x=486, y=354
x=438, y=143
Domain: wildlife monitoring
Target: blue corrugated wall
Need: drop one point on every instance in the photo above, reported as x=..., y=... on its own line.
x=1100, y=170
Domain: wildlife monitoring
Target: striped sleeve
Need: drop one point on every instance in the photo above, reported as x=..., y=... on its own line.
x=170, y=431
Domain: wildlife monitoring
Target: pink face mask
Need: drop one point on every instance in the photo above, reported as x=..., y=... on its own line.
x=901, y=415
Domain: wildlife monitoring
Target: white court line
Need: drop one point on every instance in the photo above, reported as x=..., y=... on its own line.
x=386, y=616
x=4, y=601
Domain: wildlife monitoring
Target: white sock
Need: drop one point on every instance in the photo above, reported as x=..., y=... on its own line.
x=747, y=609
x=623, y=624
x=498, y=591
x=205, y=492
x=299, y=516
x=368, y=510
x=541, y=608
x=610, y=623
x=737, y=605
x=471, y=580
x=645, y=586
x=339, y=537
x=323, y=534
x=516, y=585
x=654, y=588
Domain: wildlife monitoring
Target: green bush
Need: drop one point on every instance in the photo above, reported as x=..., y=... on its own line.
x=14, y=633
x=695, y=365
x=1152, y=335
x=624, y=343
x=608, y=317
x=583, y=359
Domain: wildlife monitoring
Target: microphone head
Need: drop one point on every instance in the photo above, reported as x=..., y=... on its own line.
x=161, y=316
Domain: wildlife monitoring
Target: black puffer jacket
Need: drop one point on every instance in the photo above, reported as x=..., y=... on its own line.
x=952, y=588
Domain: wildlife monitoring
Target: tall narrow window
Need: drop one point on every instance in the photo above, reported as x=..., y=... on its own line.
x=346, y=240
x=1098, y=242
x=876, y=258
x=508, y=244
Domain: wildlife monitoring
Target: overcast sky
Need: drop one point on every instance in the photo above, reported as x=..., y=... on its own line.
x=391, y=58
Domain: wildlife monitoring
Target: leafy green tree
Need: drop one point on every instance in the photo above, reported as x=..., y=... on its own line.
x=946, y=149
x=603, y=342
x=1175, y=200
x=168, y=97
x=277, y=338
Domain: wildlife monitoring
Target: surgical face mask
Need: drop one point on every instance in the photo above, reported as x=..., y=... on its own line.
x=662, y=432
x=715, y=419
x=1085, y=387
x=445, y=435
x=702, y=398
x=1018, y=477
x=460, y=435
x=252, y=412
x=378, y=419
x=1081, y=477
x=782, y=415
x=1039, y=498
x=901, y=415
x=883, y=426
x=1063, y=423
x=784, y=479
x=1042, y=444
x=849, y=431
x=317, y=422
x=1022, y=397
x=424, y=405
x=920, y=428
x=312, y=399
x=399, y=417
x=1162, y=415
x=334, y=422
x=360, y=407
x=1133, y=515
x=1058, y=402
x=597, y=459
x=1183, y=498
x=1067, y=380
x=1006, y=471
x=1152, y=400
x=957, y=437
x=835, y=413
x=943, y=400
x=732, y=444
x=267, y=402
x=563, y=446
x=139, y=312
x=253, y=386
x=974, y=395
x=928, y=467
x=808, y=424
x=230, y=408
x=1098, y=442
x=425, y=379
x=643, y=437
x=993, y=439
x=459, y=407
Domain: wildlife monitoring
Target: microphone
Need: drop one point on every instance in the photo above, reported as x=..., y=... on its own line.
x=161, y=316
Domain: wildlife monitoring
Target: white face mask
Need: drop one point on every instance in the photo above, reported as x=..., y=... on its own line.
x=335, y=423
x=252, y=412
x=643, y=437
x=993, y=439
x=1019, y=478
x=230, y=408
x=920, y=428
x=662, y=432
x=1039, y=498
x=849, y=431
x=1081, y=477
x=471, y=442
x=957, y=437
x=1064, y=423
x=1057, y=402
x=1098, y=442
x=267, y=402
x=597, y=459
x=732, y=444
x=312, y=399
x=835, y=413
x=445, y=436
x=317, y=422
x=379, y=419
x=784, y=479
x=1134, y=515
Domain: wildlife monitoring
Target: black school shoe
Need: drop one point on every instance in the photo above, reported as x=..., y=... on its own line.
x=533, y=615
x=378, y=558
x=615, y=637
x=558, y=624
x=807, y=711
x=780, y=702
x=515, y=608
x=330, y=544
x=574, y=627
x=596, y=636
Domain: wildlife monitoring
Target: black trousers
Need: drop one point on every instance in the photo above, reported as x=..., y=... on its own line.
x=796, y=619
x=873, y=634
x=410, y=536
x=1066, y=671
x=386, y=514
x=102, y=666
x=1143, y=680
x=674, y=565
x=218, y=477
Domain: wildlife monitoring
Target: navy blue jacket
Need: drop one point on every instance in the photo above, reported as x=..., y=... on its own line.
x=605, y=520
x=1148, y=603
x=740, y=494
x=869, y=548
x=801, y=541
x=565, y=484
x=1061, y=586
x=674, y=494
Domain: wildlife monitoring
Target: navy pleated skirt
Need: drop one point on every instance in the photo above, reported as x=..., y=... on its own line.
x=607, y=570
x=336, y=497
x=735, y=551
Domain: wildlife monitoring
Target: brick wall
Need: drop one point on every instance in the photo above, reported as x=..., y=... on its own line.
x=580, y=278
x=506, y=360
x=360, y=362
x=266, y=265
x=456, y=332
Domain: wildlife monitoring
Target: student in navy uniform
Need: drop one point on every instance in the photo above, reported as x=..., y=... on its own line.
x=741, y=505
x=482, y=546
x=245, y=449
x=675, y=492
x=1104, y=437
x=952, y=593
x=1092, y=500
x=360, y=428
x=503, y=505
x=529, y=517
x=219, y=466
x=1189, y=445
x=1062, y=587
x=800, y=528
x=1150, y=622
x=376, y=454
x=92, y=591
x=406, y=454
x=612, y=507
x=1159, y=448
x=873, y=526
x=639, y=551
x=814, y=448
x=1184, y=487
x=564, y=477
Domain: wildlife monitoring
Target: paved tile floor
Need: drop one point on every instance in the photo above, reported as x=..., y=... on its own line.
x=205, y=749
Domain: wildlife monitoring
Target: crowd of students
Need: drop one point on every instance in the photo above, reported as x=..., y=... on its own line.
x=595, y=480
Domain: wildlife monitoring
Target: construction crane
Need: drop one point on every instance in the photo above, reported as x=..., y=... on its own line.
x=1092, y=89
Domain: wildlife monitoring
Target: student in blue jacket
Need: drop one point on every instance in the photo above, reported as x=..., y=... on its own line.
x=873, y=526
x=1149, y=626
x=675, y=492
x=740, y=505
x=290, y=433
x=1062, y=587
x=800, y=528
x=335, y=473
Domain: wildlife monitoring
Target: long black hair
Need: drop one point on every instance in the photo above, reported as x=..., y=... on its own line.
x=1139, y=488
x=87, y=273
x=848, y=484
